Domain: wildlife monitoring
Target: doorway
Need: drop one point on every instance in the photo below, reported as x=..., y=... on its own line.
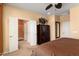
x=21, y=29
x=57, y=29
x=21, y=32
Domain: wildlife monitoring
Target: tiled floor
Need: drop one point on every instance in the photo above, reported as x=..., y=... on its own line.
x=24, y=50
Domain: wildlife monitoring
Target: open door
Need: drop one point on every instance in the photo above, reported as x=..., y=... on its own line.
x=31, y=32
x=13, y=34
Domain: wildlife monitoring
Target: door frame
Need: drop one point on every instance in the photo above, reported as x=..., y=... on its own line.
x=56, y=29
x=25, y=32
x=26, y=19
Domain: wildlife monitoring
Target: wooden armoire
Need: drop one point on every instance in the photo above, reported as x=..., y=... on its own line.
x=1, y=29
x=43, y=34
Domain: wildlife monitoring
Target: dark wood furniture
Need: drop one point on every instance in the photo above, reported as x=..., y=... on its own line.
x=1, y=29
x=43, y=33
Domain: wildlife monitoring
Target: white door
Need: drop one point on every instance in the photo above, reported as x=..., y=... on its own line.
x=65, y=29
x=13, y=34
x=31, y=34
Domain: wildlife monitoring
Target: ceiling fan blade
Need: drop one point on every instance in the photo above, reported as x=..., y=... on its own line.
x=58, y=6
x=49, y=6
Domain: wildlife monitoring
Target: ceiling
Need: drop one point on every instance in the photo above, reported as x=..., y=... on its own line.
x=40, y=8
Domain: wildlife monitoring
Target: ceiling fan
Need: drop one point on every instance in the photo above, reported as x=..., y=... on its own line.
x=58, y=6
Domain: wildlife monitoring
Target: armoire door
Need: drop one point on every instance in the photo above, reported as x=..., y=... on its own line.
x=43, y=33
x=1, y=29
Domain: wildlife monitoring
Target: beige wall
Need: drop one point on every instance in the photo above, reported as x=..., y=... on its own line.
x=51, y=22
x=73, y=18
x=63, y=18
x=15, y=12
x=74, y=22
x=57, y=18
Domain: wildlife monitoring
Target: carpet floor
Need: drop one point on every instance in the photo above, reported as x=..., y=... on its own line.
x=24, y=50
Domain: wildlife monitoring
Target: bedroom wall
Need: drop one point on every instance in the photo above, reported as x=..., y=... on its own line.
x=57, y=18
x=74, y=22
x=63, y=19
x=15, y=12
x=65, y=26
x=51, y=22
